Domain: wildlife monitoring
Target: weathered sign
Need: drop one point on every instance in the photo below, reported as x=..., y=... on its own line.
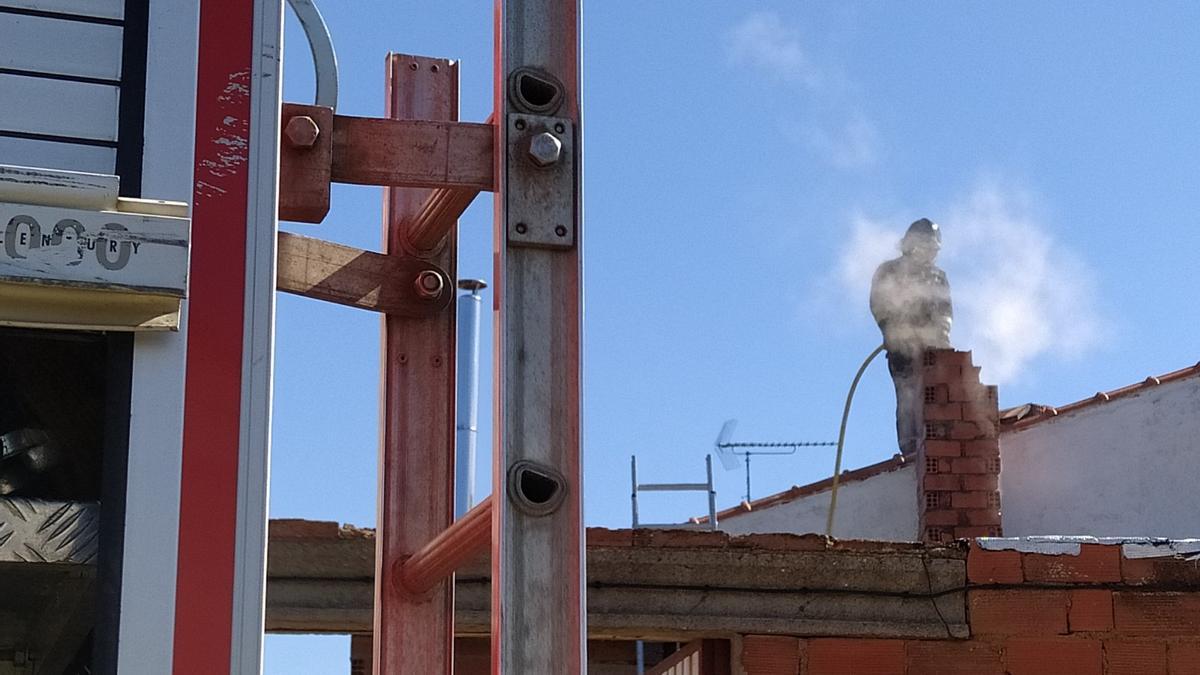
x=130, y=252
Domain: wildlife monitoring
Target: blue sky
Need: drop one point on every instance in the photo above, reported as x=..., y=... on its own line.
x=746, y=166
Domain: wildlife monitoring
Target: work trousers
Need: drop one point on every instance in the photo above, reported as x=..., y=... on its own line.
x=910, y=399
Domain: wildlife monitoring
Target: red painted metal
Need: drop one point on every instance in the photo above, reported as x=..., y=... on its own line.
x=467, y=538
x=414, y=633
x=216, y=306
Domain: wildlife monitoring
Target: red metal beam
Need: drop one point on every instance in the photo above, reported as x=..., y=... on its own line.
x=457, y=545
x=318, y=148
x=412, y=152
x=538, y=619
x=397, y=284
x=415, y=633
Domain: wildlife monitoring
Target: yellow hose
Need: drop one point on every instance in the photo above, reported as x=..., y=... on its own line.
x=837, y=465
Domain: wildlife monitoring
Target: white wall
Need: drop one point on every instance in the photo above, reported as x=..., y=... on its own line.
x=882, y=508
x=1128, y=467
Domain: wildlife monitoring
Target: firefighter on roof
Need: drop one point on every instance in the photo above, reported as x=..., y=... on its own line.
x=910, y=299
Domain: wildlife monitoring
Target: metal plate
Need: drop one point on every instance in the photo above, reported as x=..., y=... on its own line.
x=39, y=531
x=537, y=213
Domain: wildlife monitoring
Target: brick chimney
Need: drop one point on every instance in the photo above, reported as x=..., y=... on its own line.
x=959, y=464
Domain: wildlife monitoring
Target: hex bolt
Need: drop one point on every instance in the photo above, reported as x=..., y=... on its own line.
x=544, y=149
x=429, y=285
x=302, y=131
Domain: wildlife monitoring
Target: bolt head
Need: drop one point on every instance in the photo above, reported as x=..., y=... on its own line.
x=429, y=285
x=545, y=149
x=302, y=131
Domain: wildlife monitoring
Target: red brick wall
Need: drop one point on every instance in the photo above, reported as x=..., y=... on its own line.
x=1095, y=613
x=959, y=465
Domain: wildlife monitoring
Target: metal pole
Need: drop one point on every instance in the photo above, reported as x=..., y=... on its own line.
x=712, y=494
x=747, y=477
x=633, y=485
x=469, y=309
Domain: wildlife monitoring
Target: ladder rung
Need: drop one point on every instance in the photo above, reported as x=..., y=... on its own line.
x=672, y=487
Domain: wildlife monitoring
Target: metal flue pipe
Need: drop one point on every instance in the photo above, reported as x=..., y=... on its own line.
x=470, y=307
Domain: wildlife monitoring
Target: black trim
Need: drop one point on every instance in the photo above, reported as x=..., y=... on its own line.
x=113, y=485
x=55, y=138
x=59, y=76
x=131, y=125
x=65, y=17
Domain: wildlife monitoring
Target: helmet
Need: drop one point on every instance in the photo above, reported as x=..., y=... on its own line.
x=921, y=232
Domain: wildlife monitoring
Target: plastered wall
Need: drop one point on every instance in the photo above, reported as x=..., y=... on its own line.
x=882, y=507
x=1125, y=467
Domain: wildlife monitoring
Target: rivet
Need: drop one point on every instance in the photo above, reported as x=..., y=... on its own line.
x=522, y=228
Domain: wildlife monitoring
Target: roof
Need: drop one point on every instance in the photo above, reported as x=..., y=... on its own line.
x=1011, y=419
x=895, y=463
x=1025, y=416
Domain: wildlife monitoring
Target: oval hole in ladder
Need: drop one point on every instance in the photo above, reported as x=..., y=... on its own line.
x=537, y=487
x=536, y=92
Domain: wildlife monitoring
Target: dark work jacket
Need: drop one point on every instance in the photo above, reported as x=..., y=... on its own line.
x=911, y=304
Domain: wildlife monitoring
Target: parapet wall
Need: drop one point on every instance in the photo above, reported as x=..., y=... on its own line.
x=1037, y=605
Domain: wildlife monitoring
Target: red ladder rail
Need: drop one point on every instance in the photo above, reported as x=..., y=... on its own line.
x=414, y=633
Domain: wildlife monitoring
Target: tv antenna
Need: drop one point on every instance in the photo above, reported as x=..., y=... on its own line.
x=728, y=451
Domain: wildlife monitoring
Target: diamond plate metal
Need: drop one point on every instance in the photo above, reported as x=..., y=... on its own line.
x=41, y=531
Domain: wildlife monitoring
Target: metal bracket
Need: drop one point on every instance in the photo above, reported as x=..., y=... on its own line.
x=538, y=215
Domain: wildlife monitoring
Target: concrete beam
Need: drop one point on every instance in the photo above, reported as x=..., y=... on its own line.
x=658, y=585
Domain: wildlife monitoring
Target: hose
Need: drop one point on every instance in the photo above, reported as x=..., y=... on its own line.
x=837, y=465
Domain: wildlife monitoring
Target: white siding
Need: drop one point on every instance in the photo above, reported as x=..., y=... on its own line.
x=38, y=105
x=60, y=47
x=881, y=508
x=52, y=155
x=103, y=9
x=1124, y=468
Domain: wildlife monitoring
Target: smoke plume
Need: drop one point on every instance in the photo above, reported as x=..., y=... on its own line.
x=1019, y=294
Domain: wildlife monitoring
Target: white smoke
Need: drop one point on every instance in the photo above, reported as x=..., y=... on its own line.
x=762, y=40
x=1019, y=294
x=829, y=117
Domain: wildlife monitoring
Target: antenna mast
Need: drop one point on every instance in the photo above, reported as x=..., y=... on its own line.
x=726, y=449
